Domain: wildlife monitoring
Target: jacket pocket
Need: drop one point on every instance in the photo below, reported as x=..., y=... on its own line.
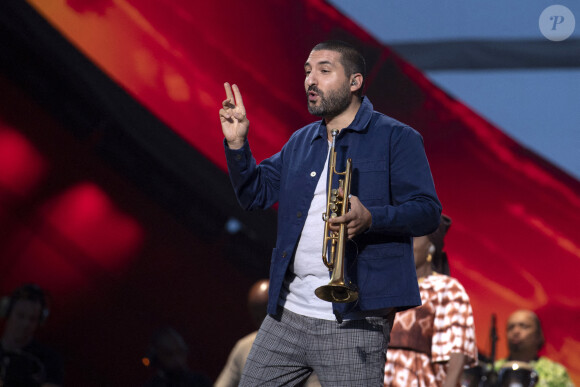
x=370, y=179
x=380, y=270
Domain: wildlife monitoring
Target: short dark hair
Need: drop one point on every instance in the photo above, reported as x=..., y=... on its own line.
x=28, y=292
x=350, y=58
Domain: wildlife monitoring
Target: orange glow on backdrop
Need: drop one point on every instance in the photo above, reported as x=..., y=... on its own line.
x=164, y=62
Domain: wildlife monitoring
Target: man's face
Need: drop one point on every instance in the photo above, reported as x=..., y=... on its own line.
x=522, y=333
x=23, y=321
x=327, y=86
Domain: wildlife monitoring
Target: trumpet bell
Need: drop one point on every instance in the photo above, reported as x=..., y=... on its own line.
x=336, y=293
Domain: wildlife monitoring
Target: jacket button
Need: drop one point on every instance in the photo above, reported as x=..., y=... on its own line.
x=284, y=254
x=299, y=214
x=238, y=157
x=313, y=173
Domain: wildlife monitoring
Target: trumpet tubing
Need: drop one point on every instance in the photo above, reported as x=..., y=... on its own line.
x=336, y=290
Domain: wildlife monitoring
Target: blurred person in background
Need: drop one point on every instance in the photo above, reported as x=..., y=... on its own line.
x=168, y=354
x=24, y=361
x=431, y=344
x=525, y=338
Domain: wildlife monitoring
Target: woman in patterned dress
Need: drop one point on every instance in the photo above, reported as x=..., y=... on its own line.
x=431, y=344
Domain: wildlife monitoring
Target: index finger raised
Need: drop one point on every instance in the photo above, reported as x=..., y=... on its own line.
x=229, y=94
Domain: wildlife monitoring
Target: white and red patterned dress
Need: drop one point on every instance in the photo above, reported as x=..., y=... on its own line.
x=423, y=338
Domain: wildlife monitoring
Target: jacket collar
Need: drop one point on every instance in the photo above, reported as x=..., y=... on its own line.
x=360, y=122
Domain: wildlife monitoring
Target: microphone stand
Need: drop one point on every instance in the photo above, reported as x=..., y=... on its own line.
x=491, y=377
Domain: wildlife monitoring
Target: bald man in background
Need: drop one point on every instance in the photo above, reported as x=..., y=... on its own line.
x=257, y=305
x=525, y=339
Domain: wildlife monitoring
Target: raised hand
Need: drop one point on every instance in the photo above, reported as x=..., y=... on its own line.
x=235, y=124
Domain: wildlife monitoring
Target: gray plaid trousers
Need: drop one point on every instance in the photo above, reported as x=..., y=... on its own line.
x=289, y=347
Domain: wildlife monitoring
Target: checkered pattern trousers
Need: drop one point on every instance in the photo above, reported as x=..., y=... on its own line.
x=289, y=347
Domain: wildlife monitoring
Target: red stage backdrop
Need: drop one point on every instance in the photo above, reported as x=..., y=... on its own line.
x=514, y=242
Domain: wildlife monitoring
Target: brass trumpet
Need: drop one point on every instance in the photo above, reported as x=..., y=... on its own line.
x=336, y=290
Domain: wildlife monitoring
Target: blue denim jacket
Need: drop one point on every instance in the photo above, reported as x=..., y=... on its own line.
x=392, y=179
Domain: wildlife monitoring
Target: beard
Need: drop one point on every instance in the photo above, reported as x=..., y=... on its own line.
x=331, y=104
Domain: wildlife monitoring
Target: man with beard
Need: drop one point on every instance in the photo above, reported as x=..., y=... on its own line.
x=392, y=199
x=525, y=339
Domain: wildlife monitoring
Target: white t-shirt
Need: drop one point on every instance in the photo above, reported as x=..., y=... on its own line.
x=307, y=271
